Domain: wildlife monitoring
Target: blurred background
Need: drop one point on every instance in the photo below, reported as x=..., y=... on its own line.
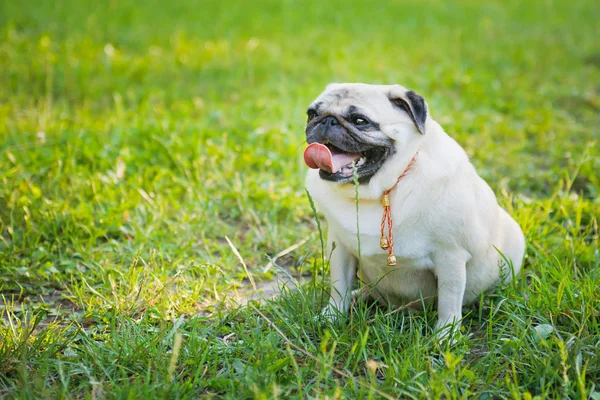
x=143, y=133
x=147, y=146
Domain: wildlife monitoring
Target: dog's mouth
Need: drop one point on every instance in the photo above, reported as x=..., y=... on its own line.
x=337, y=165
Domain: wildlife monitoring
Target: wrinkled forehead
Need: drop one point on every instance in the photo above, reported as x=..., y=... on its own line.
x=368, y=100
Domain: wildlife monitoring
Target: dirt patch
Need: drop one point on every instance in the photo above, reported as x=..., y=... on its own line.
x=267, y=290
x=56, y=308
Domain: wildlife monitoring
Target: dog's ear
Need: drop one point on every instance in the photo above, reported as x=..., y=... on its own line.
x=413, y=104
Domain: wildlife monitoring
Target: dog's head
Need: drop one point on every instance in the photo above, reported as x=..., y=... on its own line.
x=363, y=125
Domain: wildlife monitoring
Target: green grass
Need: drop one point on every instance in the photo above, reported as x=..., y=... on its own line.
x=136, y=136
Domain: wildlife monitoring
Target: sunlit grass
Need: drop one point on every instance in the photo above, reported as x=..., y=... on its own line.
x=135, y=137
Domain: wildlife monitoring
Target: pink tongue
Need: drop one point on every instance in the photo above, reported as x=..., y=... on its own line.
x=318, y=156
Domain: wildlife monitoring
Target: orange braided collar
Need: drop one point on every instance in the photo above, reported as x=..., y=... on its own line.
x=387, y=242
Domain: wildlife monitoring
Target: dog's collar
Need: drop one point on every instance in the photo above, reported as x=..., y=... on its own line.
x=387, y=242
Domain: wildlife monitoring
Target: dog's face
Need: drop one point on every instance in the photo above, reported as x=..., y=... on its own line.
x=363, y=125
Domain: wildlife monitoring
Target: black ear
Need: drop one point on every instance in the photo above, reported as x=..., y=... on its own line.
x=414, y=105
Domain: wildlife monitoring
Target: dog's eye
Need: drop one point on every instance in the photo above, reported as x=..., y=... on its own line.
x=310, y=115
x=359, y=121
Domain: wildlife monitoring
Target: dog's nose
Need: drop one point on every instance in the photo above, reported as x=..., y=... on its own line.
x=330, y=121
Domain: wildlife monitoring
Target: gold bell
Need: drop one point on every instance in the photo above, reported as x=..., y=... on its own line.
x=383, y=243
x=385, y=200
x=391, y=260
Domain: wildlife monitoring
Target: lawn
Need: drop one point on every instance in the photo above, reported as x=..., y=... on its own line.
x=144, y=144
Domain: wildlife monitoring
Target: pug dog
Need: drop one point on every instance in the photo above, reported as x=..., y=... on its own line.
x=446, y=235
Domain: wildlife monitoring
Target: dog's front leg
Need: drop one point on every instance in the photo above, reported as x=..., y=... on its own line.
x=343, y=273
x=451, y=275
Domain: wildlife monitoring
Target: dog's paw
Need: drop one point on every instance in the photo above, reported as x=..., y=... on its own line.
x=448, y=334
x=329, y=314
